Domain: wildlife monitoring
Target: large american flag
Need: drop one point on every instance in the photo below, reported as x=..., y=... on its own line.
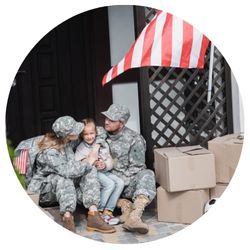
x=20, y=161
x=166, y=41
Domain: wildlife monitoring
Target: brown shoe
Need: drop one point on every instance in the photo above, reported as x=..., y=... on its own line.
x=96, y=223
x=68, y=223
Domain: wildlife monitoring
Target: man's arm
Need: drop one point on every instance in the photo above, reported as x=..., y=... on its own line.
x=136, y=155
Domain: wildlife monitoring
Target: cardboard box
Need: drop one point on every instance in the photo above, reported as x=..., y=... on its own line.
x=227, y=150
x=184, y=168
x=181, y=207
x=218, y=190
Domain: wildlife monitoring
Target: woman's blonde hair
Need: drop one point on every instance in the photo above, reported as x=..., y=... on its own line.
x=50, y=140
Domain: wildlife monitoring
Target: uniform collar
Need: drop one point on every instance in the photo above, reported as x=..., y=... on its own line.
x=116, y=136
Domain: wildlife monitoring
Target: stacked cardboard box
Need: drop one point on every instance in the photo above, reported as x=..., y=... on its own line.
x=181, y=207
x=218, y=190
x=190, y=176
x=185, y=175
x=227, y=150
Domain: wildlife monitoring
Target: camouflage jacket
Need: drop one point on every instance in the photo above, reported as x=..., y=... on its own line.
x=128, y=151
x=32, y=145
x=60, y=162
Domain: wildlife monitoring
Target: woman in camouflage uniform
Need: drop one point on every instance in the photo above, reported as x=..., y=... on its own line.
x=61, y=178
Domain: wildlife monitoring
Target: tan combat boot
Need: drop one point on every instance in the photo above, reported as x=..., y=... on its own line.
x=134, y=222
x=96, y=223
x=126, y=208
x=68, y=223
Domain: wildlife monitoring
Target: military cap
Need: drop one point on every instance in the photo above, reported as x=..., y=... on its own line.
x=117, y=112
x=66, y=125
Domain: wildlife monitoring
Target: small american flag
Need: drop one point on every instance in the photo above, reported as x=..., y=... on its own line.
x=166, y=41
x=20, y=161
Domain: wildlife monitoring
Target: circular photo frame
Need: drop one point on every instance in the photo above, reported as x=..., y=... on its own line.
x=172, y=89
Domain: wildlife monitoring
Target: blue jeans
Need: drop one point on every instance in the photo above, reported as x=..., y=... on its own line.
x=111, y=189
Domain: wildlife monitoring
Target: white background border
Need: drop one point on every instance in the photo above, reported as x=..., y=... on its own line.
x=23, y=24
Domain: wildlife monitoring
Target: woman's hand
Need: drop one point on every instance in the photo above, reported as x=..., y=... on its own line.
x=96, y=148
x=92, y=157
x=100, y=164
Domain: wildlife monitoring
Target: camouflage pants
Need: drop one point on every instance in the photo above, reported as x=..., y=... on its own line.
x=63, y=191
x=141, y=183
x=84, y=190
x=88, y=192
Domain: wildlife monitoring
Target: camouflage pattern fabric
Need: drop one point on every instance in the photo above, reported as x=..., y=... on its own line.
x=70, y=179
x=128, y=151
x=88, y=192
x=117, y=112
x=61, y=190
x=66, y=125
x=141, y=183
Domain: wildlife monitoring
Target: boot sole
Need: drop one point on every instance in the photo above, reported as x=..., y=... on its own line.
x=135, y=229
x=92, y=229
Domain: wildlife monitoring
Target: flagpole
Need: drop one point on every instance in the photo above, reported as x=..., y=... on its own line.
x=210, y=73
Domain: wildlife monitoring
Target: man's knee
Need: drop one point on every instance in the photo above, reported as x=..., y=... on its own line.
x=146, y=173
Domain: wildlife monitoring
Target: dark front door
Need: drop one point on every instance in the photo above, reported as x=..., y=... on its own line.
x=61, y=76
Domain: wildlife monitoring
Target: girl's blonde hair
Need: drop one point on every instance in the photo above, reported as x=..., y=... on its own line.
x=87, y=121
x=50, y=140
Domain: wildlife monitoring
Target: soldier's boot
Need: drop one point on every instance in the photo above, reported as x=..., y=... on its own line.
x=134, y=222
x=68, y=223
x=126, y=208
x=96, y=223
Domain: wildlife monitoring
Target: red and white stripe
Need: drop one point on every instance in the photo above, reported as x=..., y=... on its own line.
x=20, y=161
x=166, y=41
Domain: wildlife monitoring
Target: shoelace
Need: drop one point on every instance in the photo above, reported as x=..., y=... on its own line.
x=108, y=213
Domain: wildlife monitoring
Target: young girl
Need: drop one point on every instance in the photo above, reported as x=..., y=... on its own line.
x=111, y=185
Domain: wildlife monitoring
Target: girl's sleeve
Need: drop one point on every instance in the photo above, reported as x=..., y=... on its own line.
x=79, y=154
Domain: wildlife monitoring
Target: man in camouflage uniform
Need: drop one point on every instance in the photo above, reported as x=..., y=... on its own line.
x=59, y=178
x=128, y=151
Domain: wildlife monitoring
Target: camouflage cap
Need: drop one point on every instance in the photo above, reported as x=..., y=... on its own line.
x=117, y=112
x=66, y=125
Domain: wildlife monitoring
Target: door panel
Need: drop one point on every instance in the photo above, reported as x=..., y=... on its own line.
x=61, y=76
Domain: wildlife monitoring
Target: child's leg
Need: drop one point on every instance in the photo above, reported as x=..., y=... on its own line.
x=119, y=185
x=107, y=188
